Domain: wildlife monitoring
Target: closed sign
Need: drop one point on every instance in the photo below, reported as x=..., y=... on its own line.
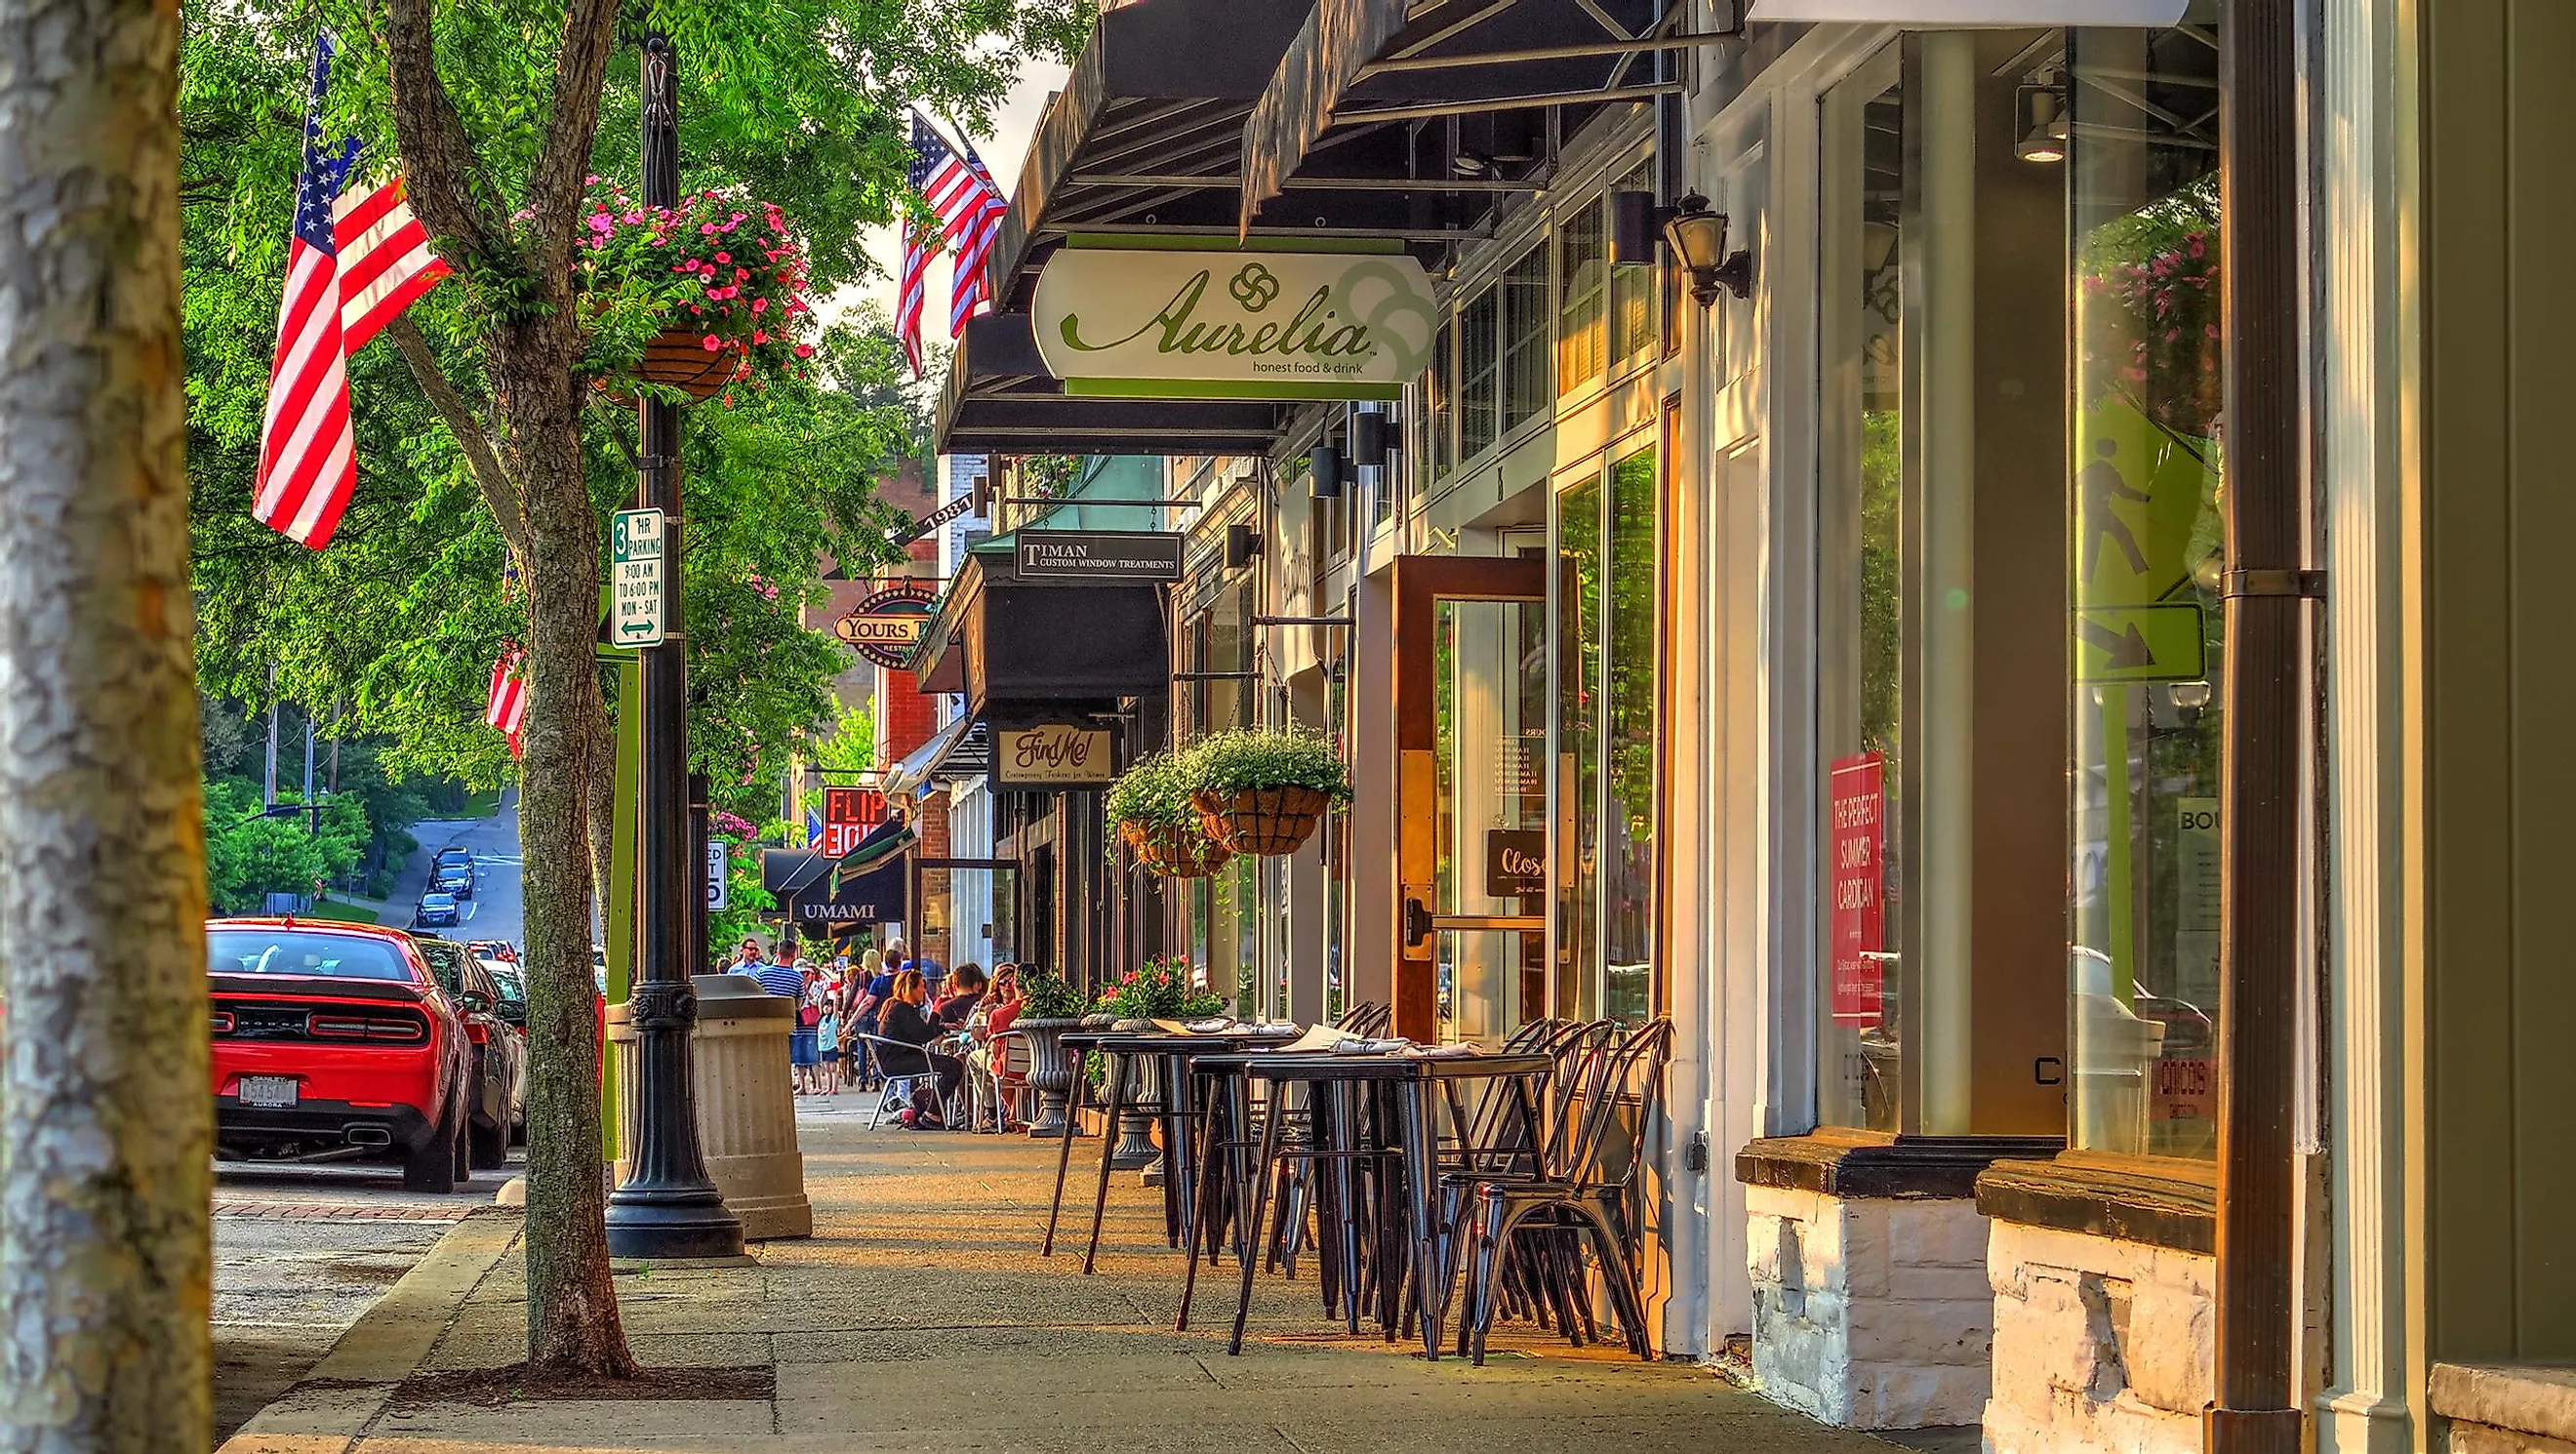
x=1054, y=754
x=1515, y=862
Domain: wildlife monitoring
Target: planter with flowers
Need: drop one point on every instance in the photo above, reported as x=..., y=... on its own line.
x=1264, y=792
x=1048, y=1008
x=1160, y=990
x=1150, y=807
x=695, y=298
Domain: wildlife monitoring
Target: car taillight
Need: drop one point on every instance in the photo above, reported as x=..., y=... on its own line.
x=360, y=1027
x=223, y=1022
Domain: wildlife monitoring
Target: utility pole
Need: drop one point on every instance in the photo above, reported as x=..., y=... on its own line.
x=268, y=790
x=668, y=1207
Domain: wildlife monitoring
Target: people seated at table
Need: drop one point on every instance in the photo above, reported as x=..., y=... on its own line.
x=965, y=992
x=907, y=1021
x=993, y=1015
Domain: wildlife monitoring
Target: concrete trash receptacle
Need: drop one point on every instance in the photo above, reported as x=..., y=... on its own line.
x=746, y=1108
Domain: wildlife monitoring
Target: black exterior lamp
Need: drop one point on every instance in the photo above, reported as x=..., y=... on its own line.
x=1324, y=469
x=1697, y=237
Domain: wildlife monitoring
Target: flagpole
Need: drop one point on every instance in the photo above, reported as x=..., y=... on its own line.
x=667, y=1207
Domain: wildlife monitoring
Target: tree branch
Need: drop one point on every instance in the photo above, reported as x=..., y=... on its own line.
x=555, y=187
x=439, y=164
x=499, y=490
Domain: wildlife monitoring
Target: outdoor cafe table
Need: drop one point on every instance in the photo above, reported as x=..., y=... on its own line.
x=1177, y=1111
x=1412, y=1078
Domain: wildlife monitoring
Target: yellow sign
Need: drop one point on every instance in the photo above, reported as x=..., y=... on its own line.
x=2146, y=507
x=2161, y=643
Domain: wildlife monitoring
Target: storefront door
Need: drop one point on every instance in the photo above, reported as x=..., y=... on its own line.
x=968, y=912
x=1471, y=796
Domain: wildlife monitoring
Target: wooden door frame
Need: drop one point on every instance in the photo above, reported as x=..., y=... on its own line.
x=1420, y=583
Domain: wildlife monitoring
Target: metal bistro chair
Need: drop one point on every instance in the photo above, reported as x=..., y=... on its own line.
x=899, y=1086
x=1594, y=1193
x=1011, y=1065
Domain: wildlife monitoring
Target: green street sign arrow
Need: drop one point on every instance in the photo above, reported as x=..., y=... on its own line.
x=2166, y=642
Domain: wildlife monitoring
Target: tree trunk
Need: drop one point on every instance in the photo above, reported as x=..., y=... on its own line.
x=573, y=1326
x=603, y=796
x=105, y=1124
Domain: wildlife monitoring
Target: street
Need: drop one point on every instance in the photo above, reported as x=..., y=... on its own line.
x=301, y=1252
x=495, y=911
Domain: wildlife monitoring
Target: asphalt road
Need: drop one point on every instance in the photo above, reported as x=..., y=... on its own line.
x=495, y=910
x=300, y=1253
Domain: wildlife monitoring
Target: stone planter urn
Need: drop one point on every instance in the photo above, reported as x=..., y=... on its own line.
x=1050, y=1075
x=1136, y=1149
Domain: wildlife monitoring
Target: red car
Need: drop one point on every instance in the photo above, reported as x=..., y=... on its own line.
x=333, y=1041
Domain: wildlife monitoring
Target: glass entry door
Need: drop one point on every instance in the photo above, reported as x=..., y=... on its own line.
x=968, y=912
x=1472, y=854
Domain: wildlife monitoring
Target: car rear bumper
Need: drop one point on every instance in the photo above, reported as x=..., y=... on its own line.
x=332, y=1122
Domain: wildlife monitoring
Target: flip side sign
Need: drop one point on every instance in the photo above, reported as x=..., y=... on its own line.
x=848, y=814
x=1053, y=754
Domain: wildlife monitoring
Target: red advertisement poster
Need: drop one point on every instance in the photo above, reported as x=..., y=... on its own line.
x=1856, y=843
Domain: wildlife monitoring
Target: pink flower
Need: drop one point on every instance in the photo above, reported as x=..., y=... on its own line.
x=759, y=335
x=804, y=350
x=724, y=257
x=711, y=343
x=760, y=305
x=707, y=228
x=591, y=181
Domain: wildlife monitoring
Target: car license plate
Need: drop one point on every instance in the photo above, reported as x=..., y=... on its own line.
x=276, y=1092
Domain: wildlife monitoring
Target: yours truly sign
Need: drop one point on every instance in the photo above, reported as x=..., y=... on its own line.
x=1234, y=325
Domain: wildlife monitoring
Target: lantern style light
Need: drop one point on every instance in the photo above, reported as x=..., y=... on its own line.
x=1697, y=237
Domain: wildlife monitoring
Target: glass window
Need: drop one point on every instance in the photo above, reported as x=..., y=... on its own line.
x=303, y=952
x=1578, y=747
x=1525, y=384
x=1860, y=622
x=1634, y=699
x=2149, y=552
x=1633, y=289
x=1489, y=729
x=1480, y=364
x=1583, y=273
x=1440, y=452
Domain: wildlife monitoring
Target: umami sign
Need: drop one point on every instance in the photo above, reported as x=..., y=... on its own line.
x=1172, y=324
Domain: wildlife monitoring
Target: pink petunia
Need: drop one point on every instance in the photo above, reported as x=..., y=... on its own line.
x=804, y=350
x=711, y=343
x=760, y=305
x=724, y=257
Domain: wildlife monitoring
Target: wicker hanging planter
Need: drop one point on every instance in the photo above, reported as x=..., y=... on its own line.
x=1177, y=851
x=1263, y=822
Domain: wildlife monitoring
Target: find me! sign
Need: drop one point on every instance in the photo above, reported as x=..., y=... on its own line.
x=1052, y=754
x=1156, y=323
x=885, y=626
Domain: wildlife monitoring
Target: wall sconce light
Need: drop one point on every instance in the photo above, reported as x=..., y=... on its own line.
x=1697, y=237
x=1372, y=436
x=2041, y=111
x=1324, y=470
x=1242, y=543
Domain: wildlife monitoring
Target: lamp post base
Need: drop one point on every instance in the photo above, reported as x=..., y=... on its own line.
x=662, y=1224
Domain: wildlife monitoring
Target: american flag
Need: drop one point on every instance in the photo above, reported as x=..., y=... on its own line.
x=507, y=707
x=352, y=264
x=969, y=207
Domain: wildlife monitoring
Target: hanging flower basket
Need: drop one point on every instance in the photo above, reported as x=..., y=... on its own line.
x=719, y=279
x=1180, y=851
x=1263, y=822
x=1264, y=793
x=683, y=361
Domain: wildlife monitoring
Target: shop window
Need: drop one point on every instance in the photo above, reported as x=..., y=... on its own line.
x=1860, y=614
x=1578, y=748
x=1526, y=394
x=1583, y=274
x=1480, y=367
x=2149, y=553
x=1439, y=451
x=1633, y=289
x=1632, y=696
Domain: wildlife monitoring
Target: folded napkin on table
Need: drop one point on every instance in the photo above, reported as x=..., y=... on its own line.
x=1445, y=1052
x=1353, y=1045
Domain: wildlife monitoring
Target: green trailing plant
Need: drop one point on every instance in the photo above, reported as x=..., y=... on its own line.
x=1045, y=996
x=1152, y=794
x=1252, y=759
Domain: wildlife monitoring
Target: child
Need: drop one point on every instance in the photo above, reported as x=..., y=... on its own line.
x=827, y=1045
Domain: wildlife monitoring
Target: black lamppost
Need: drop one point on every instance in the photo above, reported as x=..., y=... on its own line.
x=667, y=1207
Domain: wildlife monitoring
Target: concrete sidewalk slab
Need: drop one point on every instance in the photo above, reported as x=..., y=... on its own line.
x=920, y=1317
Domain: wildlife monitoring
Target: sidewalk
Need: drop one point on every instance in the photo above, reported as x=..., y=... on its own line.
x=920, y=1317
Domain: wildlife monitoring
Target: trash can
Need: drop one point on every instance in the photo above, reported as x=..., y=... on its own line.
x=746, y=1107
x=2113, y=1048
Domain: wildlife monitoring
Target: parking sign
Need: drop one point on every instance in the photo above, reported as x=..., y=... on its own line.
x=719, y=854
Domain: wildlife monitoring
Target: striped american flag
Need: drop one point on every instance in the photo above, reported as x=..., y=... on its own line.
x=507, y=707
x=352, y=264
x=969, y=207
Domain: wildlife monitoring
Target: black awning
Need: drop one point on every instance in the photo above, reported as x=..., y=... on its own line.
x=1013, y=644
x=1359, y=68
x=999, y=399
x=851, y=900
x=785, y=871
x=962, y=749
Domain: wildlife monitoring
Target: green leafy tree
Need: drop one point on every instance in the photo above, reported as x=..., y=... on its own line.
x=485, y=448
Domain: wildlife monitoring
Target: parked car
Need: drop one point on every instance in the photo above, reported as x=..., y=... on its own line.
x=453, y=878
x=497, y=1090
x=334, y=1041
x=514, y=994
x=437, y=911
x=453, y=854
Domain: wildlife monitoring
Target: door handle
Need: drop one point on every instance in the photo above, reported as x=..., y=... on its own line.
x=1417, y=922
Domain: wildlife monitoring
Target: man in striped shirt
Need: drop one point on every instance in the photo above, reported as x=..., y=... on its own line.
x=783, y=977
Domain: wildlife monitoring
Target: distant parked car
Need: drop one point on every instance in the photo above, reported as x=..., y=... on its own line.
x=334, y=1041
x=453, y=854
x=437, y=911
x=496, y=1091
x=449, y=878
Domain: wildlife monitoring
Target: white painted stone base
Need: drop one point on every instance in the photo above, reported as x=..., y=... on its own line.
x=2099, y=1345
x=1869, y=1314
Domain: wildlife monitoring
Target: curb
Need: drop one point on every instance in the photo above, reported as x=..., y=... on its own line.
x=329, y=1408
